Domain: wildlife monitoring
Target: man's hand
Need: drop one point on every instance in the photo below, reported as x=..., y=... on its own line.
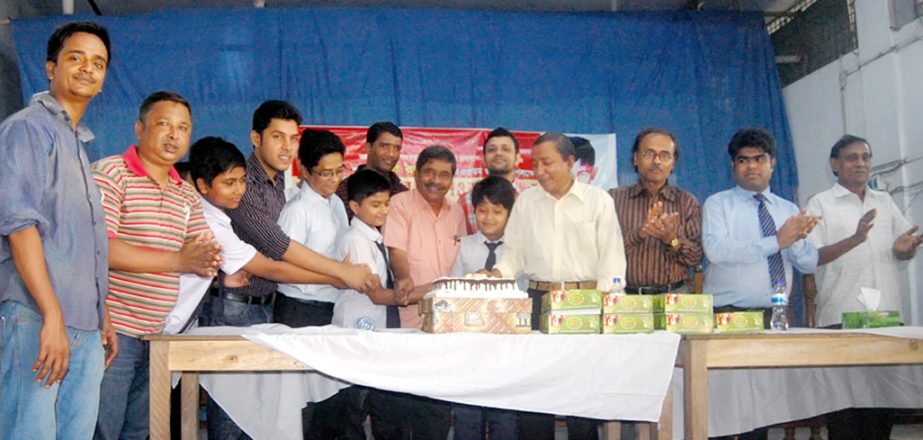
x=53, y=351
x=236, y=280
x=356, y=277
x=201, y=255
x=906, y=244
x=110, y=339
x=402, y=289
x=864, y=226
x=797, y=227
x=653, y=213
x=491, y=273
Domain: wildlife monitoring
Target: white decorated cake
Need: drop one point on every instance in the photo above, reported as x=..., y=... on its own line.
x=476, y=303
x=476, y=286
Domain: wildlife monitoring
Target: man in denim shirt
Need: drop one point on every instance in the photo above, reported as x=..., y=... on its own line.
x=53, y=254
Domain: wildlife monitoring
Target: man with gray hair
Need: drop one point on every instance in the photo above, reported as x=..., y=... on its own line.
x=561, y=231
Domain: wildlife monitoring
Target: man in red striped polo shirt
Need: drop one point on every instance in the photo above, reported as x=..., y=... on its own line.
x=156, y=230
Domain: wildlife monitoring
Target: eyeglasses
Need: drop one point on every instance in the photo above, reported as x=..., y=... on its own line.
x=664, y=156
x=326, y=174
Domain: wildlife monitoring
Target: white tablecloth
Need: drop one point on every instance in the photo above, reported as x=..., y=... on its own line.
x=740, y=400
x=599, y=376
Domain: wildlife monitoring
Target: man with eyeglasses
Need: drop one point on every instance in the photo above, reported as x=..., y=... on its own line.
x=752, y=237
x=661, y=224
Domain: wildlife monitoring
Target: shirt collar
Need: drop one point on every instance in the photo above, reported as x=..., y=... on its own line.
x=366, y=230
x=309, y=193
x=52, y=105
x=578, y=190
x=212, y=211
x=255, y=169
x=841, y=191
x=668, y=191
x=421, y=201
x=745, y=194
x=480, y=238
x=133, y=161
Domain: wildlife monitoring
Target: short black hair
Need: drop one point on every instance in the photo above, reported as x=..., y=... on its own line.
x=583, y=150
x=316, y=144
x=211, y=156
x=564, y=144
x=436, y=152
x=364, y=184
x=754, y=138
x=376, y=129
x=844, y=142
x=162, y=95
x=182, y=167
x=500, y=132
x=274, y=109
x=63, y=32
x=496, y=190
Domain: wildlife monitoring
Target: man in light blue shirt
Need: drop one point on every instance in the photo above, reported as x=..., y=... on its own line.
x=743, y=254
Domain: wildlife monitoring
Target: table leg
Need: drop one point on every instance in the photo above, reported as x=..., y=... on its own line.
x=189, y=407
x=612, y=430
x=664, y=429
x=160, y=390
x=695, y=388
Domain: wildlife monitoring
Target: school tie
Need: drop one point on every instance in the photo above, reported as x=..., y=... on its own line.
x=393, y=317
x=491, y=254
x=768, y=228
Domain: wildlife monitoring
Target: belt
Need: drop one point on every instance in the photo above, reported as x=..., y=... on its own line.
x=246, y=299
x=653, y=290
x=320, y=304
x=548, y=286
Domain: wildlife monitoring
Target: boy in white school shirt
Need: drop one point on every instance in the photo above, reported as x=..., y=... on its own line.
x=493, y=200
x=217, y=169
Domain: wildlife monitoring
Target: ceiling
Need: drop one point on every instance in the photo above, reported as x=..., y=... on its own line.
x=122, y=7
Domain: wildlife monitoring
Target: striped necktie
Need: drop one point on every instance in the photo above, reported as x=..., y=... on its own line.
x=768, y=228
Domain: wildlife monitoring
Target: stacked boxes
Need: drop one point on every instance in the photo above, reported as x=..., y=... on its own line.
x=482, y=315
x=573, y=311
x=738, y=322
x=683, y=313
x=627, y=313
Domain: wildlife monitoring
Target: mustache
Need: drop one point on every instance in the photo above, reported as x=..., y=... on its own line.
x=435, y=186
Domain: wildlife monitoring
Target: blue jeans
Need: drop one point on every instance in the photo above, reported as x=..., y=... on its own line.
x=123, y=408
x=223, y=312
x=27, y=410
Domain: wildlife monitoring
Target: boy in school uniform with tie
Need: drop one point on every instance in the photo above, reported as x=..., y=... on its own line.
x=493, y=200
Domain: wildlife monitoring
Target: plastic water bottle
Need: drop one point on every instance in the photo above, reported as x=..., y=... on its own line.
x=618, y=287
x=365, y=323
x=779, y=319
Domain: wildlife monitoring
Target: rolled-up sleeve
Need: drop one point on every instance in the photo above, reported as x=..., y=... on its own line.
x=24, y=167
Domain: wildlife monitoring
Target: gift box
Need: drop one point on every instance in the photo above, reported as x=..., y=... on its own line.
x=734, y=322
x=684, y=322
x=574, y=299
x=882, y=318
x=570, y=323
x=613, y=303
x=614, y=323
x=482, y=305
x=477, y=322
x=683, y=302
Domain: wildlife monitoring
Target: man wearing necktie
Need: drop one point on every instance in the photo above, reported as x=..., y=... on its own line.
x=752, y=237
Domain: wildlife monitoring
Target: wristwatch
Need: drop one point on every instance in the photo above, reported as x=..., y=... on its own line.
x=675, y=244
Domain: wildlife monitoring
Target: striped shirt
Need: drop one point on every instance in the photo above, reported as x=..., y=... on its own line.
x=141, y=213
x=254, y=221
x=651, y=262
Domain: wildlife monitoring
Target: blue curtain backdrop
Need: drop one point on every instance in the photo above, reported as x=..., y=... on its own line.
x=701, y=75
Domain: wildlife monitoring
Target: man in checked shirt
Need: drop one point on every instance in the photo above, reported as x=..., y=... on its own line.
x=661, y=224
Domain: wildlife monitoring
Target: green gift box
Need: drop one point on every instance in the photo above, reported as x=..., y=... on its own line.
x=569, y=323
x=574, y=299
x=683, y=302
x=613, y=303
x=881, y=318
x=628, y=323
x=685, y=323
x=735, y=322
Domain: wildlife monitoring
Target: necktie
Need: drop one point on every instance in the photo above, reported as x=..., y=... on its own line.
x=393, y=317
x=491, y=254
x=768, y=228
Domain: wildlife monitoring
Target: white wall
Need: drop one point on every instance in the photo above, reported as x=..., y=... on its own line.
x=875, y=92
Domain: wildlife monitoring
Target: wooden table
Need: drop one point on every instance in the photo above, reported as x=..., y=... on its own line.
x=698, y=353
x=193, y=354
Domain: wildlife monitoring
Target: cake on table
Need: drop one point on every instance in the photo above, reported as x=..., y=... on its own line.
x=476, y=303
